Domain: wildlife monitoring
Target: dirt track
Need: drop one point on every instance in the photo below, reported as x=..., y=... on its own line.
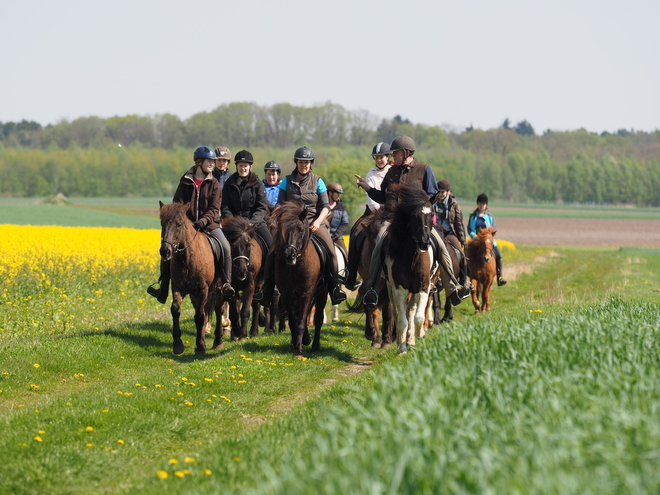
x=579, y=232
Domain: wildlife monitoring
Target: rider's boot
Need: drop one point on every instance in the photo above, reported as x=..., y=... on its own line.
x=268, y=291
x=355, y=249
x=162, y=292
x=500, y=279
x=227, y=290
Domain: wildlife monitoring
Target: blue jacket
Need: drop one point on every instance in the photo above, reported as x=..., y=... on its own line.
x=488, y=219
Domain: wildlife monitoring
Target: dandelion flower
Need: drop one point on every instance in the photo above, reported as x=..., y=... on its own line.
x=163, y=475
x=120, y=441
x=173, y=461
x=207, y=472
x=179, y=474
x=89, y=428
x=36, y=365
x=188, y=459
x=90, y=445
x=38, y=439
x=237, y=459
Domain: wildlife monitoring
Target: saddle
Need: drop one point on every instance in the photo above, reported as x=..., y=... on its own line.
x=217, y=249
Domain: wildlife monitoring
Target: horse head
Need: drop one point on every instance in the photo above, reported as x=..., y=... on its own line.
x=292, y=233
x=239, y=233
x=176, y=229
x=485, y=242
x=414, y=210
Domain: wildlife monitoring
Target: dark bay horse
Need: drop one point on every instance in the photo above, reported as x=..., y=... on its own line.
x=192, y=268
x=298, y=273
x=408, y=262
x=247, y=275
x=437, y=305
x=381, y=336
x=482, y=267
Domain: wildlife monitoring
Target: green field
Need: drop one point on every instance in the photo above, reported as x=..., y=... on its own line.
x=554, y=391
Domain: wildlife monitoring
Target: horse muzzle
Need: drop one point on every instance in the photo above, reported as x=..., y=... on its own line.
x=166, y=252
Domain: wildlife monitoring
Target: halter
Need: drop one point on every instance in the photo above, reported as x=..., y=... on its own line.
x=241, y=257
x=176, y=247
x=296, y=251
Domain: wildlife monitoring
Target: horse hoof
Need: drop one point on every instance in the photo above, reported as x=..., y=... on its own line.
x=219, y=346
x=376, y=345
x=200, y=352
x=386, y=345
x=402, y=349
x=178, y=348
x=306, y=339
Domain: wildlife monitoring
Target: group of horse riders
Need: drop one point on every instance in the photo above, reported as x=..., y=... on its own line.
x=212, y=193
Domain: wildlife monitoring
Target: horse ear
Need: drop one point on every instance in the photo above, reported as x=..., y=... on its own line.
x=494, y=232
x=161, y=204
x=434, y=199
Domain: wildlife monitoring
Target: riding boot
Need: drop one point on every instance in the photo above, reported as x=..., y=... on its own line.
x=161, y=293
x=336, y=294
x=370, y=297
x=354, y=252
x=498, y=264
x=227, y=290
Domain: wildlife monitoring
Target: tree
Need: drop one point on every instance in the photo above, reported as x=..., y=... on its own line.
x=524, y=128
x=506, y=125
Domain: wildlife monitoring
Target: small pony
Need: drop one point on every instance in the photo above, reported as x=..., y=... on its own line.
x=408, y=262
x=192, y=268
x=482, y=267
x=298, y=273
x=247, y=275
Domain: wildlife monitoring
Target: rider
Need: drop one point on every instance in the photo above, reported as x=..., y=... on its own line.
x=449, y=218
x=381, y=155
x=221, y=171
x=272, y=171
x=407, y=169
x=481, y=218
x=338, y=215
x=244, y=195
x=304, y=185
x=202, y=193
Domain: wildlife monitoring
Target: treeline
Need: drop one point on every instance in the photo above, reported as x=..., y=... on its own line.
x=511, y=162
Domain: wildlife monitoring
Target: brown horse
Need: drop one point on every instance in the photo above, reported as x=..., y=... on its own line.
x=381, y=336
x=192, y=268
x=448, y=315
x=247, y=275
x=408, y=262
x=482, y=267
x=298, y=273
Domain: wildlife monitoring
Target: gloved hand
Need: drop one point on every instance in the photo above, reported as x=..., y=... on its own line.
x=199, y=225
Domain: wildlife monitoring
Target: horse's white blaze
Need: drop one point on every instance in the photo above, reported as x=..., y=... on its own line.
x=426, y=210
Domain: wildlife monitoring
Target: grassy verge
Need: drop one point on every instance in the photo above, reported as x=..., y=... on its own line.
x=553, y=391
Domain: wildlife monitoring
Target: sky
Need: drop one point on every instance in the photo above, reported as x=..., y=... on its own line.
x=560, y=65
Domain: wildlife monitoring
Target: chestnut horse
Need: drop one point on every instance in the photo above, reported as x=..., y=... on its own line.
x=482, y=267
x=408, y=262
x=247, y=275
x=192, y=268
x=381, y=336
x=298, y=273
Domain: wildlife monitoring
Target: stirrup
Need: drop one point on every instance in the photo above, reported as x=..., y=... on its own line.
x=152, y=291
x=370, y=298
x=355, y=286
x=338, y=296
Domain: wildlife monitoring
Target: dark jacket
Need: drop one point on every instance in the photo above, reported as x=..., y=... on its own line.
x=222, y=176
x=454, y=217
x=205, y=203
x=245, y=199
x=305, y=188
x=338, y=220
x=416, y=173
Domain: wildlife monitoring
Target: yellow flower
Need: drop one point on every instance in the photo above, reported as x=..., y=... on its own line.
x=41, y=432
x=237, y=459
x=90, y=445
x=36, y=365
x=179, y=474
x=173, y=461
x=188, y=459
x=163, y=475
x=207, y=472
x=38, y=439
x=188, y=403
x=34, y=387
x=89, y=428
x=208, y=379
x=120, y=441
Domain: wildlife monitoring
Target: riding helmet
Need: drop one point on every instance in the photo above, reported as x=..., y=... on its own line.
x=335, y=187
x=402, y=143
x=482, y=198
x=244, y=156
x=273, y=165
x=381, y=149
x=303, y=153
x=223, y=153
x=443, y=185
x=204, y=152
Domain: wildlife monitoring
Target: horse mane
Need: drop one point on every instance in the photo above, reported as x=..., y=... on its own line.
x=409, y=200
x=171, y=211
x=287, y=217
x=479, y=239
x=234, y=227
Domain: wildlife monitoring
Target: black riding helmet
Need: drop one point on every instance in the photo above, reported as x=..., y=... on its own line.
x=244, y=156
x=303, y=153
x=273, y=165
x=381, y=149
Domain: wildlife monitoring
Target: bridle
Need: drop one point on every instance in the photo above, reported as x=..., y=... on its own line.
x=175, y=246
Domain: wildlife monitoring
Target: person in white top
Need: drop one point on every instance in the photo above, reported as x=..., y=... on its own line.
x=382, y=158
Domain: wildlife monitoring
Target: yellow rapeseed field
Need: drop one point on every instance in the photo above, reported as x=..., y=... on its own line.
x=41, y=252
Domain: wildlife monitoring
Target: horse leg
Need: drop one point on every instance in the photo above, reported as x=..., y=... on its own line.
x=256, y=308
x=399, y=297
x=235, y=319
x=217, y=341
x=371, y=331
x=318, y=321
x=486, y=296
x=475, y=295
x=388, y=326
x=175, y=310
x=449, y=311
x=200, y=304
x=437, y=307
x=245, y=307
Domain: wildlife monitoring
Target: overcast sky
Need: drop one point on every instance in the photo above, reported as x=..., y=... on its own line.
x=560, y=64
